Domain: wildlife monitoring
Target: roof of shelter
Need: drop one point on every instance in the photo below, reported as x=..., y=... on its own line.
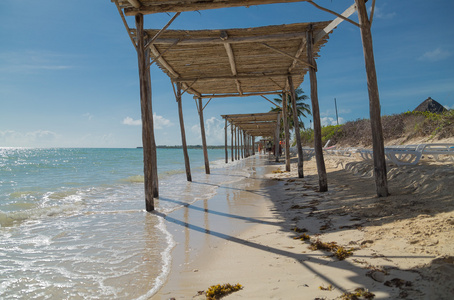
x=133, y=7
x=236, y=62
x=258, y=124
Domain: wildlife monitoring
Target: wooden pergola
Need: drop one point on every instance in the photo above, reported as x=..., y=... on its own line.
x=238, y=63
x=246, y=127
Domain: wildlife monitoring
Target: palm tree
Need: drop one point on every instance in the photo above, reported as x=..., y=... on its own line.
x=302, y=108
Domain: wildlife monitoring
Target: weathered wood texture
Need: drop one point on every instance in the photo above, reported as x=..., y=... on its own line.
x=276, y=138
x=381, y=181
x=204, y=141
x=235, y=62
x=318, y=147
x=286, y=132
x=147, y=124
x=225, y=143
x=183, y=134
x=132, y=7
x=299, y=146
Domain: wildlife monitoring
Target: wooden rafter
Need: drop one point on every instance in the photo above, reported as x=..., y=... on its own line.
x=288, y=55
x=347, y=13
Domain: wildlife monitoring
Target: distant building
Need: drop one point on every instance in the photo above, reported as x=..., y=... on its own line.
x=430, y=105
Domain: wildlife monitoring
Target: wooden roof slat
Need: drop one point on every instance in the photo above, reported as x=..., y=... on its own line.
x=160, y=6
x=234, y=62
x=258, y=124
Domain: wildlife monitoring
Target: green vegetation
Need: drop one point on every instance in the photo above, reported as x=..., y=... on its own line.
x=406, y=125
x=340, y=252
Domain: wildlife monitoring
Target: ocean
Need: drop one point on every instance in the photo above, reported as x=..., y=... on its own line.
x=73, y=223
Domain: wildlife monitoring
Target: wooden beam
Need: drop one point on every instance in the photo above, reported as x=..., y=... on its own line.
x=288, y=55
x=176, y=6
x=231, y=40
x=381, y=181
x=204, y=141
x=372, y=12
x=297, y=128
x=183, y=133
x=298, y=53
x=318, y=147
x=334, y=13
x=162, y=30
x=238, y=95
x=286, y=132
x=225, y=137
x=135, y=3
x=238, y=77
x=231, y=56
x=347, y=13
x=277, y=131
x=125, y=24
x=270, y=101
x=231, y=141
x=147, y=124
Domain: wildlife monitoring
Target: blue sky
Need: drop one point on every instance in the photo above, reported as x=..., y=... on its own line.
x=68, y=71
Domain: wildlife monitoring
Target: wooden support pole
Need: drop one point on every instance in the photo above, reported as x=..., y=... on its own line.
x=245, y=144
x=154, y=157
x=297, y=128
x=381, y=181
x=276, y=137
x=204, y=141
x=318, y=147
x=231, y=141
x=286, y=132
x=183, y=134
x=236, y=143
x=147, y=124
x=241, y=144
x=225, y=134
x=253, y=145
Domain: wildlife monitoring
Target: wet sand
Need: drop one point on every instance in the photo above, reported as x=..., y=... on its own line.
x=402, y=245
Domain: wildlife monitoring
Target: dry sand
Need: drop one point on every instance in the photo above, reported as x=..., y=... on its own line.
x=403, y=244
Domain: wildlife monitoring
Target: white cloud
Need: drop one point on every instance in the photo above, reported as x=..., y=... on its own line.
x=159, y=122
x=214, y=131
x=89, y=116
x=33, y=138
x=14, y=62
x=130, y=121
x=435, y=55
x=331, y=121
x=380, y=13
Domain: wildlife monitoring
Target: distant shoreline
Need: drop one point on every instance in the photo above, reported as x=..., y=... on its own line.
x=189, y=147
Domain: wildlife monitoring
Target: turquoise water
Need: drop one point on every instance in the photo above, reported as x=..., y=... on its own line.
x=73, y=223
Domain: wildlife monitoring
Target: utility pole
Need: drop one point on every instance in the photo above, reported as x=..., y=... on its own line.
x=337, y=117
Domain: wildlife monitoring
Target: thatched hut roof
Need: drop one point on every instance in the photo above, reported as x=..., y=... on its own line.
x=258, y=124
x=430, y=105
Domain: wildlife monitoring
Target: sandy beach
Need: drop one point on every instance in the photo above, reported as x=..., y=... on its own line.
x=251, y=233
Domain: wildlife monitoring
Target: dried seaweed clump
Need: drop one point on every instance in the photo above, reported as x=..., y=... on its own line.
x=340, y=252
x=218, y=291
x=359, y=293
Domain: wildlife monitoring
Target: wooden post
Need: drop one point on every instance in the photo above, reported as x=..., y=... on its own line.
x=154, y=157
x=286, y=132
x=236, y=143
x=226, y=152
x=241, y=144
x=297, y=128
x=183, y=134
x=276, y=137
x=204, y=141
x=381, y=181
x=147, y=124
x=231, y=140
x=253, y=145
x=318, y=147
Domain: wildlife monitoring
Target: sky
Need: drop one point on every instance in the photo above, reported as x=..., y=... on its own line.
x=69, y=75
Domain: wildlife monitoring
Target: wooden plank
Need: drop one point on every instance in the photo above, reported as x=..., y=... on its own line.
x=178, y=6
x=204, y=141
x=286, y=132
x=237, y=77
x=238, y=95
x=183, y=134
x=334, y=13
x=318, y=147
x=297, y=129
x=298, y=53
x=146, y=122
x=381, y=181
x=347, y=13
x=231, y=40
x=135, y=3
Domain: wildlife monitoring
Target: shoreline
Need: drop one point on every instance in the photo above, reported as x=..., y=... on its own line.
x=401, y=243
